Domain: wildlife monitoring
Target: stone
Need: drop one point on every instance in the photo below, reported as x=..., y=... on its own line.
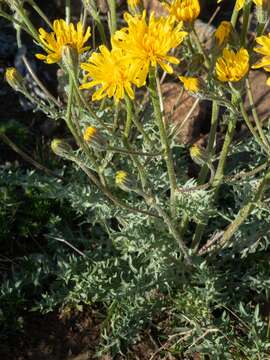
x=176, y=109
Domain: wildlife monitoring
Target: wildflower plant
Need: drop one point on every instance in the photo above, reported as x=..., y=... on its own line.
x=131, y=173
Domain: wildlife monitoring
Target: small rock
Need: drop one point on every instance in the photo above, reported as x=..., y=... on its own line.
x=176, y=111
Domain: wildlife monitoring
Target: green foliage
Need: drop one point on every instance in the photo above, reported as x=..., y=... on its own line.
x=131, y=265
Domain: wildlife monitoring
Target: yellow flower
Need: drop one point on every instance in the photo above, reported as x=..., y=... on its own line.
x=191, y=84
x=232, y=66
x=63, y=34
x=184, y=10
x=264, y=49
x=223, y=32
x=112, y=71
x=147, y=44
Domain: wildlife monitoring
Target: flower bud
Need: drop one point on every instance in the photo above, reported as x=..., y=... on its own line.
x=263, y=11
x=223, y=33
x=61, y=148
x=124, y=181
x=94, y=138
x=14, y=78
x=198, y=155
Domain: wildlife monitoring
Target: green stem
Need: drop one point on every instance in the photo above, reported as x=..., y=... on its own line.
x=91, y=8
x=26, y=157
x=67, y=10
x=204, y=169
x=151, y=201
x=137, y=163
x=28, y=23
x=234, y=16
x=200, y=48
x=211, y=141
x=40, y=13
x=220, y=170
x=246, y=13
x=39, y=83
x=163, y=135
x=250, y=126
x=68, y=117
x=255, y=114
x=113, y=19
x=15, y=21
x=137, y=123
x=246, y=210
x=129, y=117
x=132, y=152
x=107, y=192
x=87, y=106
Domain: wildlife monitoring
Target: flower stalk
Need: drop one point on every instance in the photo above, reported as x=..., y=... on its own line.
x=163, y=135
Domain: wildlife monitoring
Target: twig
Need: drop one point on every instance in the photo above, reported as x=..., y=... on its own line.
x=26, y=157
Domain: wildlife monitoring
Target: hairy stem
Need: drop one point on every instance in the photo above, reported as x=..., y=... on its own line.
x=246, y=210
x=163, y=134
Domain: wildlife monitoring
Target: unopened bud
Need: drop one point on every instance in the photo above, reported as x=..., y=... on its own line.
x=61, y=148
x=263, y=11
x=14, y=78
x=223, y=32
x=124, y=181
x=198, y=155
x=94, y=138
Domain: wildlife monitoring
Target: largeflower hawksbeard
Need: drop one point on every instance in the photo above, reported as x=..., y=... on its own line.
x=112, y=72
x=232, y=66
x=147, y=44
x=63, y=34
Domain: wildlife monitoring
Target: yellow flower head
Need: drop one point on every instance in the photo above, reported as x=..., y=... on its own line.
x=223, y=32
x=264, y=49
x=146, y=44
x=63, y=34
x=184, y=10
x=232, y=66
x=112, y=71
x=191, y=84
